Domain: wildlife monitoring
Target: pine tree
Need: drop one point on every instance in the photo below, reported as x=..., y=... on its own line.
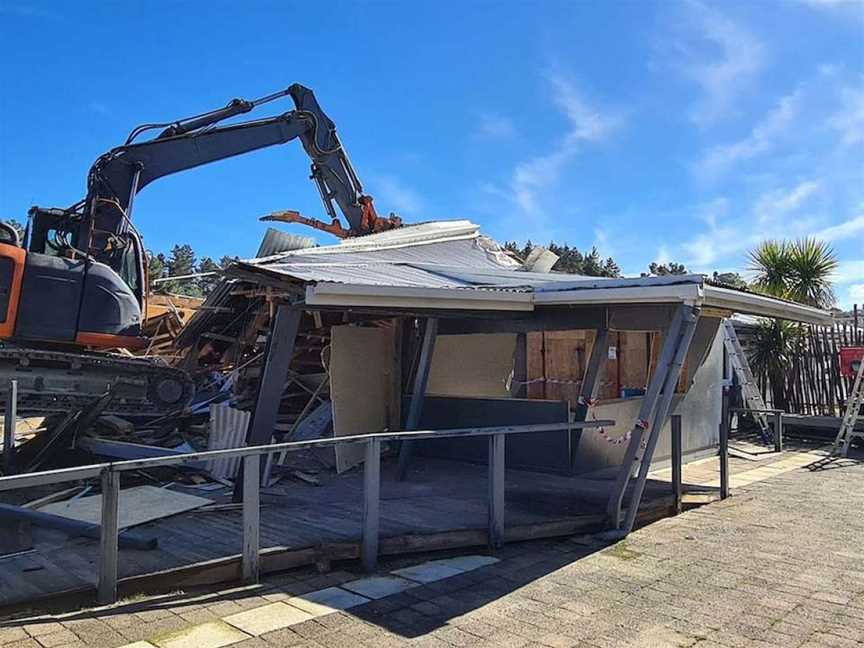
x=666, y=269
x=156, y=270
x=571, y=260
x=182, y=262
x=208, y=283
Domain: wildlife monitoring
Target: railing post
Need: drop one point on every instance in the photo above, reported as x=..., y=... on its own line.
x=9, y=428
x=496, y=490
x=677, y=460
x=109, y=529
x=251, y=517
x=725, y=422
x=371, y=504
x=778, y=431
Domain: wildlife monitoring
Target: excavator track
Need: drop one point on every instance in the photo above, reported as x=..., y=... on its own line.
x=62, y=381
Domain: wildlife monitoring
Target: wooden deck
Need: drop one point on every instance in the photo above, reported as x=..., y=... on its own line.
x=442, y=505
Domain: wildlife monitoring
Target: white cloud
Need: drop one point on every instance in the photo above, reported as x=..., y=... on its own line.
x=738, y=58
x=391, y=194
x=586, y=124
x=718, y=241
x=834, y=5
x=761, y=139
x=848, y=122
x=856, y=292
x=662, y=257
x=774, y=214
x=496, y=127
x=844, y=230
x=849, y=271
x=772, y=206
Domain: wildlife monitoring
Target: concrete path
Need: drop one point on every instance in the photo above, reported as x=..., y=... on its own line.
x=781, y=563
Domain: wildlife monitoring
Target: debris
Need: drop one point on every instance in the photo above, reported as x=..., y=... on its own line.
x=305, y=477
x=15, y=536
x=73, y=527
x=59, y=496
x=227, y=430
x=125, y=450
x=138, y=505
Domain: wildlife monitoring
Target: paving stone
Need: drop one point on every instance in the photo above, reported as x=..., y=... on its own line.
x=333, y=598
x=267, y=618
x=54, y=639
x=376, y=587
x=8, y=635
x=214, y=634
x=428, y=572
x=42, y=627
x=468, y=563
x=139, y=644
x=23, y=643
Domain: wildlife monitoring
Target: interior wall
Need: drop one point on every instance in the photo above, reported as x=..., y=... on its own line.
x=363, y=386
x=699, y=408
x=472, y=365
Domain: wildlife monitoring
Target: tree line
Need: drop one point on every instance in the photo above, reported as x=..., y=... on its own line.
x=182, y=262
x=591, y=264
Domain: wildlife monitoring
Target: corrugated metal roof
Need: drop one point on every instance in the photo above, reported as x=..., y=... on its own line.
x=276, y=241
x=454, y=255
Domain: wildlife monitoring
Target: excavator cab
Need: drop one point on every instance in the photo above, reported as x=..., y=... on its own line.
x=54, y=293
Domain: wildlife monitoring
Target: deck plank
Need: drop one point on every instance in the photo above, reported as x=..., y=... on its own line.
x=441, y=499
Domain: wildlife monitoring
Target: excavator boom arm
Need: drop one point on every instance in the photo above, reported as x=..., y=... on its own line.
x=118, y=175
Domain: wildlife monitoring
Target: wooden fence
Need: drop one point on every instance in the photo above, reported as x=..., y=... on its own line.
x=812, y=384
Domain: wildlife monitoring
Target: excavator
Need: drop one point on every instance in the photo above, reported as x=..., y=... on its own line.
x=76, y=286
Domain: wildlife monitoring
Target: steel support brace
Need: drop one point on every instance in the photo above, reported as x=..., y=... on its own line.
x=778, y=431
x=418, y=395
x=251, y=519
x=725, y=425
x=588, y=390
x=677, y=460
x=649, y=401
x=689, y=317
x=277, y=359
x=9, y=419
x=371, y=505
x=108, y=540
x=497, y=476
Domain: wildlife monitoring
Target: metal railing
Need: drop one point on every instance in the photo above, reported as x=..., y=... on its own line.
x=109, y=474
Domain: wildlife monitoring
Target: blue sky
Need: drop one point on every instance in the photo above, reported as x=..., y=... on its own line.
x=680, y=131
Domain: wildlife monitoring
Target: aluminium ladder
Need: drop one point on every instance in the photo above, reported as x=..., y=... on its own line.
x=749, y=389
x=851, y=417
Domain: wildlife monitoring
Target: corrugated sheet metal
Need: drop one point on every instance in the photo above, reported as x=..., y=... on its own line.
x=227, y=430
x=276, y=241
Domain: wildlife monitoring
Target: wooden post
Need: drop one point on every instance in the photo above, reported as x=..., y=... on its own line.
x=418, y=395
x=109, y=528
x=371, y=504
x=277, y=359
x=677, y=460
x=9, y=428
x=725, y=421
x=778, y=431
x=251, y=518
x=497, y=465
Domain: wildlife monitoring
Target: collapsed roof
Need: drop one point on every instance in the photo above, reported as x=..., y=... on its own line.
x=450, y=265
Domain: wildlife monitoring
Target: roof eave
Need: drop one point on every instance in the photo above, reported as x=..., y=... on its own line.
x=336, y=294
x=763, y=306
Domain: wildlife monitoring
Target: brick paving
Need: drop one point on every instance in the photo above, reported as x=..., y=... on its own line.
x=781, y=563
